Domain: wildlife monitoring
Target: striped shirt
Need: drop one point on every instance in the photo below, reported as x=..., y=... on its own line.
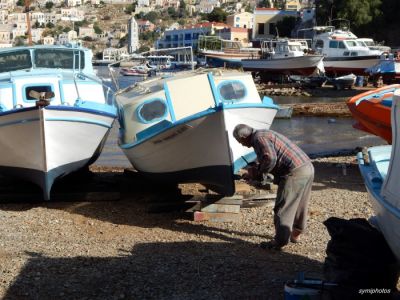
x=276, y=154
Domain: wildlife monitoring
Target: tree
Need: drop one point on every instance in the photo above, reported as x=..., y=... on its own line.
x=19, y=41
x=36, y=25
x=358, y=12
x=172, y=13
x=50, y=25
x=152, y=16
x=130, y=9
x=217, y=15
x=97, y=29
x=265, y=3
x=20, y=3
x=143, y=49
x=49, y=5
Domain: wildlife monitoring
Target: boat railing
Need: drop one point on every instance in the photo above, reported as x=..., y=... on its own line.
x=108, y=89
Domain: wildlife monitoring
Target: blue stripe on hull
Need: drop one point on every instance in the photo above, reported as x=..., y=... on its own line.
x=217, y=178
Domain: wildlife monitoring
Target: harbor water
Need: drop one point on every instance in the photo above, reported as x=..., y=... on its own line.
x=315, y=135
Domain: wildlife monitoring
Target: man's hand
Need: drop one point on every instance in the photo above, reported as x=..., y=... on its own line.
x=252, y=174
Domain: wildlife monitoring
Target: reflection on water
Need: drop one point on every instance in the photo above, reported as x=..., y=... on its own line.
x=324, y=135
x=315, y=135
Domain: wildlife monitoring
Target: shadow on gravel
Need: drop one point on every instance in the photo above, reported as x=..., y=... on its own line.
x=337, y=176
x=179, y=270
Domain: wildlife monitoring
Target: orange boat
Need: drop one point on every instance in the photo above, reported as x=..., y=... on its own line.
x=372, y=111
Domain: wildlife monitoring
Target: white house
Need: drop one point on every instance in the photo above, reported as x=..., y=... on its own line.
x=114, y=53
x=133, y=35
x=242, y=20
x=5, y=34
x=52, y=18
x=86, y=31
x=207, y=6
x=48, y=40
x=38, y=17
x=73, y=3
x=72, y=14
x=7, y=4
x=36, y=34
x=68, y=37
x=142, y=3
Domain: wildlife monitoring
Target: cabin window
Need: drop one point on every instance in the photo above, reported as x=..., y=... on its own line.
x=353, y=54
x=152, y=111
x=15, y=60
x=341, y=45
x=36, y=88
x=232, y=90
x=59, y=58
x=333, y=44
x=346, y=53
x=319, y=44
x=351, y=43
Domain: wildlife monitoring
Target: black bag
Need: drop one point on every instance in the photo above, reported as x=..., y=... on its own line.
x=359, y=258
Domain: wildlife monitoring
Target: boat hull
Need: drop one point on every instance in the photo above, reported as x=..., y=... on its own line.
x=43, y=144
x=388, y=223
x=335, y=66
x=371, y=114
x=195, y=151
x=300, y=65
x=202, y=150
x=375, y=173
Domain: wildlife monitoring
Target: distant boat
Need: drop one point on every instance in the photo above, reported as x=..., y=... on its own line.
x=381, y=173
x=343, y=82
x=343, y=53
x=54, y=115
x=285, y=57
x=140, y=70
x=371, y=110
x=179, y=129
x=388, y=68
x=219, y=51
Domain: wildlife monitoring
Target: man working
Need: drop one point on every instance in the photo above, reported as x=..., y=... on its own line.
x=294, y=174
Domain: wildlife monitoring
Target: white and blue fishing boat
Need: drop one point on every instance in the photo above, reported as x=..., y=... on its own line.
x=54, y=113
x=381, y=173
x=179, y=129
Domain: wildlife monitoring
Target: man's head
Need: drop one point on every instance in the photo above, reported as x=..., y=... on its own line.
x=242, y=134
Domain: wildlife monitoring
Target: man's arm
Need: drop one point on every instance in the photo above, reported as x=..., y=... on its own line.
x=266, y=155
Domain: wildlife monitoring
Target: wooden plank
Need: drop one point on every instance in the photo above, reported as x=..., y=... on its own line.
x=216, y=217
x=221, y=208
x=262, y=197
x=222, y=201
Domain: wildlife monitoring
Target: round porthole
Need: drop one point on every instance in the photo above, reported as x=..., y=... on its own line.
x=232, y=90
x=152, y=111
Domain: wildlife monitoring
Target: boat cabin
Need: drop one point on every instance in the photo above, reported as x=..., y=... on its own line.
x=340, y=43
x=283, y=48
x=159, y=62
x=66, y=73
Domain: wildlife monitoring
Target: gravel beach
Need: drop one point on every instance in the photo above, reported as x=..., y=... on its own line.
x=120, y=250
